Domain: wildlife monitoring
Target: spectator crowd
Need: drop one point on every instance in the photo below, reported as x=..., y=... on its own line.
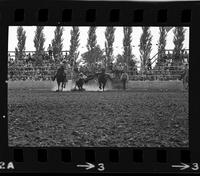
x=44, y=66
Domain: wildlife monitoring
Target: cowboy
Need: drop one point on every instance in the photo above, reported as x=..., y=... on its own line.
x=124, y=78
x=81, y=75
x=102, y=73
x=80, y=81
x=103, y=70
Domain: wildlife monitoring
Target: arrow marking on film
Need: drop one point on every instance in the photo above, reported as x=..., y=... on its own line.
x=87, y=166
x=182, y=166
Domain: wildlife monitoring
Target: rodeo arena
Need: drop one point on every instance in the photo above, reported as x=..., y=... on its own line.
x=27, y=69
x=53, y=101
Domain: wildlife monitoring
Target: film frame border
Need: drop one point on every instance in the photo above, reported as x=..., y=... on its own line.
x=115, y=14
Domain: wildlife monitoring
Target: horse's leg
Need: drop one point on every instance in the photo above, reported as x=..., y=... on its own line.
x=58, y=86
x=78, y=85
x=82, y=84
x=65, y=83
x=99, y=85
x=62, y=85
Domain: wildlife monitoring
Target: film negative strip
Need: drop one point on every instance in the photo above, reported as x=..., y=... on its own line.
x=145, y=121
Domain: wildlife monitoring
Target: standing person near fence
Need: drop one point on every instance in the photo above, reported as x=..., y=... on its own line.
x=124, y=78
x=50, y=50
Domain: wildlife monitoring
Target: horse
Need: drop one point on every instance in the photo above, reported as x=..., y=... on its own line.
x=61, y=78
x=102, y=79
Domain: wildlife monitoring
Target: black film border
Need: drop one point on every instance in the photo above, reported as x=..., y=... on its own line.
x=114, y=14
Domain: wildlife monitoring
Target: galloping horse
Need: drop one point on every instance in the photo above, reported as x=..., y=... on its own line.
x=102, y=79
x=60, y=78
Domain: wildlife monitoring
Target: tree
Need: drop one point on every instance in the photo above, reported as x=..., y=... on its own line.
x=93, y=56
x=39, y=40
x=94, y=51
x=145, y=47
x=161, y=44
x=74, y=44
x=179, y=36
x=57, y=41
x=127, y=53
x=21, y=37
x=16, y=53
x=92, y=38
x=109, y=35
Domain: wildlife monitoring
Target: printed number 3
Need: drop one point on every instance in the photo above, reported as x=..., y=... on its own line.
x=195, y=166
x=101, y=167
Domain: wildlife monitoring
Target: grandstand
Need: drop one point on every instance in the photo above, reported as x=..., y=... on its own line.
x=43, y=67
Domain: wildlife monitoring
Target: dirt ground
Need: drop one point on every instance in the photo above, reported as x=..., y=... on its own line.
x=38, y=116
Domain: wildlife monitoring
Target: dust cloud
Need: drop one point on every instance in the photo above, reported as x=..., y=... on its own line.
x=90, y=86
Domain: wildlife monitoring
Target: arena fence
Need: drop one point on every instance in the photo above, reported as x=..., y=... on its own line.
x=46, y=73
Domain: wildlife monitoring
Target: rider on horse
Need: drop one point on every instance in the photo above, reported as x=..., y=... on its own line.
x=102, y=78
x=103, y=72
x=60, y=71
x=61, y=77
